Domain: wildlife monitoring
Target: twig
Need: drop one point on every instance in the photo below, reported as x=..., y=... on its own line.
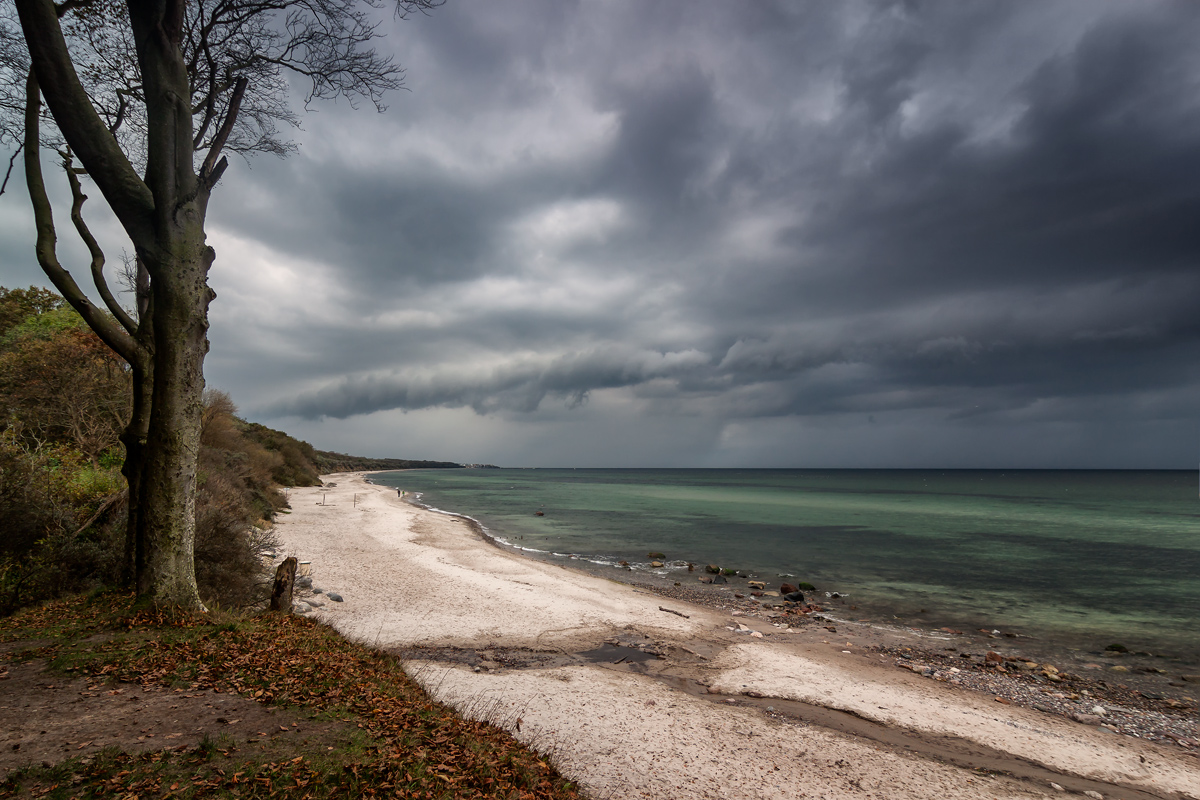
x=676, y=613
x=11, y=161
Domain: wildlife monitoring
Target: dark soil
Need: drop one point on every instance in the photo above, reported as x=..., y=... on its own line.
x=46, y=717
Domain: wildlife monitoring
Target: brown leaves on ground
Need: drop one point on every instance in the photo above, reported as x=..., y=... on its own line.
x=405, y=745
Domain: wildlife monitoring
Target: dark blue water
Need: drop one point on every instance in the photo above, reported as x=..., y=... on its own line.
x=1085, y=557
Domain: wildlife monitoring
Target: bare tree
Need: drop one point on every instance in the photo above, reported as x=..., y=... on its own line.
x=149, y=96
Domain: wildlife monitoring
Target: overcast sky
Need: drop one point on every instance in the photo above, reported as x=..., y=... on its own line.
x=702, y=233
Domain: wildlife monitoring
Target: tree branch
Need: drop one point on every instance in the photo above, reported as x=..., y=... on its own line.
x=82, y=127
x=112, y=334
x=11, y=162
x=207, y=175
x=77, y=201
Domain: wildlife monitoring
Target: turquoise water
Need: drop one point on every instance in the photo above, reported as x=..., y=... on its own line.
x=1083, y=557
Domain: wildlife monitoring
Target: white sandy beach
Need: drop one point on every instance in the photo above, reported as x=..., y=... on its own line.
x=683, y=726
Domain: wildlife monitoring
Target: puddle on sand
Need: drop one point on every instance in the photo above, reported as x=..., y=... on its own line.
x=617, y=654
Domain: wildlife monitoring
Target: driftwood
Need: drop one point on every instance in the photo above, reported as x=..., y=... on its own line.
x=672, y=611
x=281, y=592
x=108, y=503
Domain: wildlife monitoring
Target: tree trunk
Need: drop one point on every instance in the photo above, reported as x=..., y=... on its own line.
x=285, y=579
x=167, y=514
x=134, y=438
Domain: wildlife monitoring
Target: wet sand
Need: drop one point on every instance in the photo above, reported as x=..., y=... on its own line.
x=636, y=694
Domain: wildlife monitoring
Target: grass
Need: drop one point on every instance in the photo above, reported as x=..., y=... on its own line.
x=393, y=741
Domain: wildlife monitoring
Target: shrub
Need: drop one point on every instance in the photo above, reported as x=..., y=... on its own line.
x=62, y=523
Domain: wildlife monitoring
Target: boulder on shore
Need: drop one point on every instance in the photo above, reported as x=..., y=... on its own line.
x=787, y=588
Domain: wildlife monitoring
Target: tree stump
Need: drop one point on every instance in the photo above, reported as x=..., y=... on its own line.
x=281, y=593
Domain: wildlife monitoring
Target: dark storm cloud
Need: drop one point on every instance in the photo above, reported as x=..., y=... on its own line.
x=1092, y=182
x=889, y=219
x=519, y=386
x=956, y=219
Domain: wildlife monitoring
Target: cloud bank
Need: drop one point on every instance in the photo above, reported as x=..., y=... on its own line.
x=759, y=234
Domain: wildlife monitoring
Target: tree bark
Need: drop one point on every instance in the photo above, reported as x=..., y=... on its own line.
x=285, y=579
x=167, y=513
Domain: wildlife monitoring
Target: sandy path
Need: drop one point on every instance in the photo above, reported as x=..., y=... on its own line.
x=415, y=578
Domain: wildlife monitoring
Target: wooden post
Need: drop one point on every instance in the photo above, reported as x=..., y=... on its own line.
x=281, y=593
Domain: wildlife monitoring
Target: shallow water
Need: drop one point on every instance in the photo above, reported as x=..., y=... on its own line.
x=1083, y=558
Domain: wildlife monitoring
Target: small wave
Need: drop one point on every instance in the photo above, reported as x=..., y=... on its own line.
x=522, y=548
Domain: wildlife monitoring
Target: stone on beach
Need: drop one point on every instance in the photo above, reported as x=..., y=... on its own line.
x=334, y=596
x=786, y=588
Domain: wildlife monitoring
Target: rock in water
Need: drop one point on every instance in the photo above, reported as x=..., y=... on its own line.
x=334, y=596
x=713, y=569
x=794, y=597
x=786, y=589
x=656, y=564
x=757, y=585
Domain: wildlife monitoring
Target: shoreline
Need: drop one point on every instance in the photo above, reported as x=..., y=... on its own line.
x=1073, y=613
x=1156, y=673
x=514, y=639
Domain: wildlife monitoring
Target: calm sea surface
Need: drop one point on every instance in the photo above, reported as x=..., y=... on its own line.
x=1085, y=558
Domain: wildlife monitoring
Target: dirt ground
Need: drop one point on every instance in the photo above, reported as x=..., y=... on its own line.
x=46, y=718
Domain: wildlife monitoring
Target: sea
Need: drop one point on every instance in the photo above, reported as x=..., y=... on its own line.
x=1081, y=559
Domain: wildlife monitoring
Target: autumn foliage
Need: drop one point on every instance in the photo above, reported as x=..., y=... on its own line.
x=64, y=401
x=401, y=743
